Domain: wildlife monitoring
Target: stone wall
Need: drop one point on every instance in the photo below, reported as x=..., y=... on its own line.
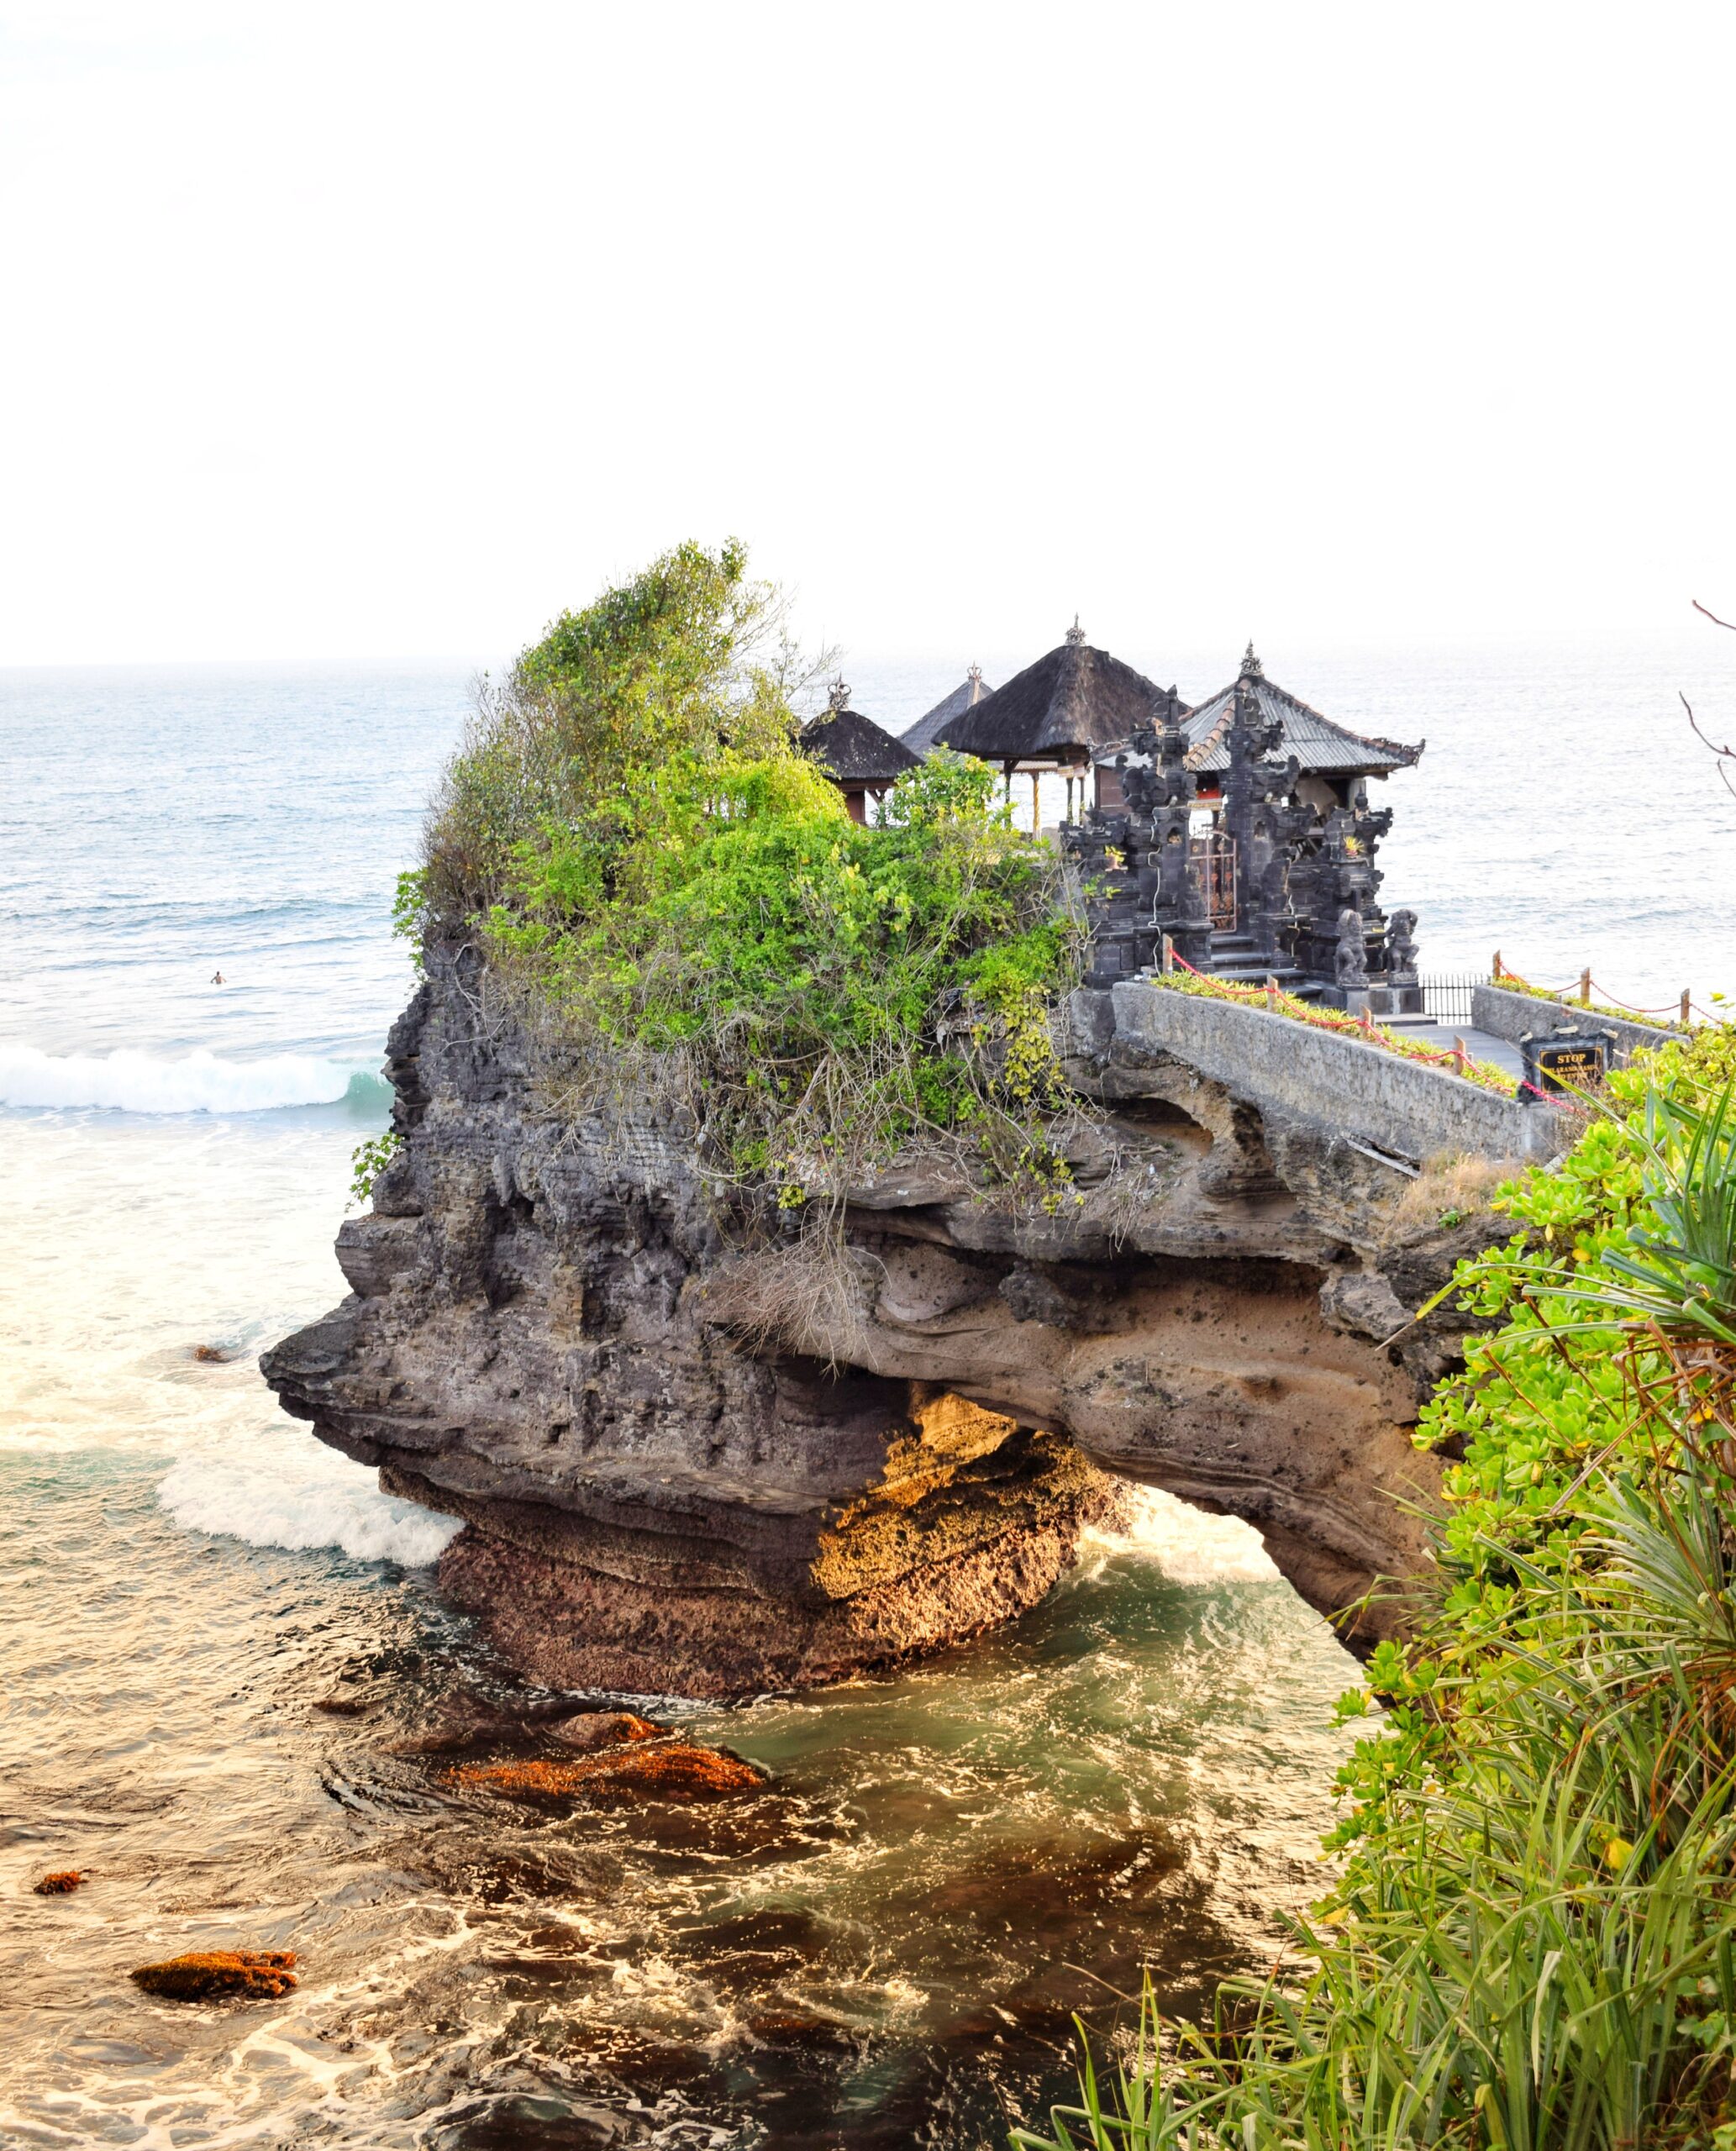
x=1506, y=1015
x=1404, y=1106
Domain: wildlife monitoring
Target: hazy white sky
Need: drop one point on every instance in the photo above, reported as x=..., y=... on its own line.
x=386, y=330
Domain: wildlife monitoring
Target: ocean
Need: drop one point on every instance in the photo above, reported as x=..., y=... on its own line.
x=888, y=1951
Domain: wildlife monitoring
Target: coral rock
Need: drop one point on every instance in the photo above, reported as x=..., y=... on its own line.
x=593, y=1729
x=214, y=1974
x=664, y=1769
x=59, y=1884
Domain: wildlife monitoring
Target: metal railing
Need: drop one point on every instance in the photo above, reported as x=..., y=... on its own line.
x=1446, y=995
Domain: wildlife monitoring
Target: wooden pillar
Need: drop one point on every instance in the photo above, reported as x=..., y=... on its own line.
x=1036, y=800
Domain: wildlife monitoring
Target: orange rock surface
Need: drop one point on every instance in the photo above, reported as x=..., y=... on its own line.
x=210, y=1974
x=671, y=1769
x=594, y=1729
x=59, y=1884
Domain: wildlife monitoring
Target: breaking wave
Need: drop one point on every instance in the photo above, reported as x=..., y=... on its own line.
x=132, y=1081
x=1189, y=1545
x=301, y=1500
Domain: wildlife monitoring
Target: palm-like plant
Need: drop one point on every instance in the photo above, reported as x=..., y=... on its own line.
x=1678, y=1276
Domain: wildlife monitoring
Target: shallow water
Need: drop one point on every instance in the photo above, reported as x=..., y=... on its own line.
x=885, y=1947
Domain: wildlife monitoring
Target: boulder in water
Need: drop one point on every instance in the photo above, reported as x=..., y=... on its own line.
x=651, y=1770
x=60, y=1884
x=593, y=1729
x=215, y=1975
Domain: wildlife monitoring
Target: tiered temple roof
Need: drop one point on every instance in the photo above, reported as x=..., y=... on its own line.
x=1321, y=747
x=1071, y=703
x=925, y=733
x=854, y=752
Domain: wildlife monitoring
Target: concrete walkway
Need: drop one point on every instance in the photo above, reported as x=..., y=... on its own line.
x=1480, y=1045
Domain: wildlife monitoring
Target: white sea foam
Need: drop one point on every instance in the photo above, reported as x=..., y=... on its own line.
x=1187, y=1545
x=131, y=1081
x=300, y=1498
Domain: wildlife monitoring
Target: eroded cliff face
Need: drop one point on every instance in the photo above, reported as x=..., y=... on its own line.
x=547, y=1336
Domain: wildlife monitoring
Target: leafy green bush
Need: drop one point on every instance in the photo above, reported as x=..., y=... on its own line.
x=1532, y=1940
x=680, y=898
x=368, y=1161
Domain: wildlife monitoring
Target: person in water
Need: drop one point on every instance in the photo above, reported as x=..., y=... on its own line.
x=217, y=978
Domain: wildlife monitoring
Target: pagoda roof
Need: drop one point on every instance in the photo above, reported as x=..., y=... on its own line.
x=853, y=749
x=1320, y=746
x=1075, y=697
x=926, y=732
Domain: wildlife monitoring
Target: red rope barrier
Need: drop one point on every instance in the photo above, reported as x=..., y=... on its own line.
x=1569, y=997
x=1633, y=1007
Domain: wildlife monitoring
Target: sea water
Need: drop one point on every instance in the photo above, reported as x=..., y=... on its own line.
x=888, y=1946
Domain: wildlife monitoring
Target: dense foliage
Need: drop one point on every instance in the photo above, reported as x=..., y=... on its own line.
x=1532, y=1940
x=682, y=900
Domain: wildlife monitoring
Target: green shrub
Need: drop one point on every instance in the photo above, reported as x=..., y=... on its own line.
x=1532, y=1939
x=368, y=1161
x=681, y=901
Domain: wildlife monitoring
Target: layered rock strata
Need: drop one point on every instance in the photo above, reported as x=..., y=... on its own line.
x=549, y=1336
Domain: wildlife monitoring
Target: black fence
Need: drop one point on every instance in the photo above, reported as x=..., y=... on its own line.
x=1447, y=998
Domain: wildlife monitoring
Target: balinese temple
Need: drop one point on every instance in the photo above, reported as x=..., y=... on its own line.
x=924, y=734
x=861, y=758
x=1238, y=837
x=1053, y=718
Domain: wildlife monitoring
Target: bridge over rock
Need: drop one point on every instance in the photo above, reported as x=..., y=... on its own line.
x=686, y=1469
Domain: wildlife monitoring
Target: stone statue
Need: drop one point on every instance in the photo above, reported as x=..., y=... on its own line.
x=1401, y=943
x=1350, y=967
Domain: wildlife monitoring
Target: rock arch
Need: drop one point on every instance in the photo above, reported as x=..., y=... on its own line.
x=546, y=1338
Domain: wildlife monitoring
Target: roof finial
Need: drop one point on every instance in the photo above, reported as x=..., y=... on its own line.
x=1251, y=667
x=1076, y=634
x=976, y=672
x=838, y=694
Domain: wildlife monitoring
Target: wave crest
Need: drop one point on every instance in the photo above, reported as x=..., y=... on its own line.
x=301, y=1498
x=1188, y=1544
x=132, y=1081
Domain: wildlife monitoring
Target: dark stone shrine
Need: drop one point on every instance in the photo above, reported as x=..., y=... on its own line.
x=1239, y=834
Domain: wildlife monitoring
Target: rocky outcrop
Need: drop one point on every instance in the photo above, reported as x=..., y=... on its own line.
x=220, y=1974
x=549, y=1336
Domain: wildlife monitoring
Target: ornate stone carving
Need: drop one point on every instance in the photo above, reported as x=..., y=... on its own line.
x=1350, y=964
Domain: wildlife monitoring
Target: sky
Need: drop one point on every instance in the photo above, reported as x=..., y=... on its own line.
x=382, y=331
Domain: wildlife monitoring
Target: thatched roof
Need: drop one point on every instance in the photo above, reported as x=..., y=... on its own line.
x=926, y=732
x=853, y=749
x=1321, y=747
x=1075, y=697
